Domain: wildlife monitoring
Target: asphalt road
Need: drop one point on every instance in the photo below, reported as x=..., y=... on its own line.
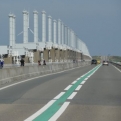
x=98, y=99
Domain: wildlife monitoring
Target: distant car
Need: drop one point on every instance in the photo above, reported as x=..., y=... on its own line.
x=94, y=61
x=98, y=61
x=105, y=63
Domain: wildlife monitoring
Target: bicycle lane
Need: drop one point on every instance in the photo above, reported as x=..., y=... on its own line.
x=53, y=109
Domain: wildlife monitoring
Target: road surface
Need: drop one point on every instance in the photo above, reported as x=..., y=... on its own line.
x=91, y=93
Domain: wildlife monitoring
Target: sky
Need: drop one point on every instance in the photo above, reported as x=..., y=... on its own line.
x=95, y=22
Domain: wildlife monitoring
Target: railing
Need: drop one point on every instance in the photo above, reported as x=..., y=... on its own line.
x=33, y=64
x=22, y=73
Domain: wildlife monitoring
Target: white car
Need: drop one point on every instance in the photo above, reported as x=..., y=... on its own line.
x=105, y=63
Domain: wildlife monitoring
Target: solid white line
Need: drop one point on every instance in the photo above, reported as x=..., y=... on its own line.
x=73, y=82
x=82, y=82
x=40, y=111
x=72, y=95
x=58, y=96
x=116, y=68
x=78, y=88
x=68, y=87
x=33, y=78
x=59, y=112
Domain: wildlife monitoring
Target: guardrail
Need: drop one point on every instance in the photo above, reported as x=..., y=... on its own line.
x=117, y=64
x=27, y=72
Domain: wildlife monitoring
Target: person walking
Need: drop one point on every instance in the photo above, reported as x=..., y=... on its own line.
x=22, y=62
x=39, y=62
x=2, y=63
x=44, y=63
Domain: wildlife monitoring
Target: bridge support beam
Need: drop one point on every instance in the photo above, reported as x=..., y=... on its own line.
x=36, y=56
x=8, y=60
x=46, y=55
x=57, y=55
x=52, y=54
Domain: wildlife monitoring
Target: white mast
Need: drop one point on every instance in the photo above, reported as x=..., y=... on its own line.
x=59, y=31
x=14, y=34
x=54, y=31
x=66, y=37
x=49, y=29
x=62, y=26
x=35, y=26
x=43, y=26
x=11, y=29
x=25, y=26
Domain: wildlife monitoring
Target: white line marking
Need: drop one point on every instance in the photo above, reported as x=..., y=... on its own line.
x=82, y=82
x=85, y=79
x=72, y=95
x=33, y=78
x=58, y=96
x=77, y=78
x=59, y=112
x=78, y=88
x=73, y=82
x=116, y=68
x=40, y=111
x=68, y=87
x=82, y=76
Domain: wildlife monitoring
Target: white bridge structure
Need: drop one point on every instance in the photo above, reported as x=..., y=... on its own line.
x=60, y=37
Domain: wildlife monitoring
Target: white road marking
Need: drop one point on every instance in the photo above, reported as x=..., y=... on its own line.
x=68, y=87
x=82, y=82
x=78, y=88
x=72, y=95
x=77, y=78
x=85, y=79
x=58, y=96
x=40, y=111
x=73, y=82
x=82, y=76
x=59, y=112
x=116, y=68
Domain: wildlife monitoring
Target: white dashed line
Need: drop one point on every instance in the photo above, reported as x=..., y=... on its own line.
x=74, y=82
x=72, y=95
x=77, y=78
x=85, y=79
x=58, y=96
x=82, y=76
x=67, y=88
x=82, y=82
x=78, y=88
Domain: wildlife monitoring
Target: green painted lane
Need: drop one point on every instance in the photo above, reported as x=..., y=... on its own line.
x=47, y=114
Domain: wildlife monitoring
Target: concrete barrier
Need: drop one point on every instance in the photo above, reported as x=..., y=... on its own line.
x=21, y=73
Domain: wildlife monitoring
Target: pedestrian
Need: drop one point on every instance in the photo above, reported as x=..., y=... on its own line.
x=39, y=62
x=44, y=63
x=22, y=62
x=2, y=63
